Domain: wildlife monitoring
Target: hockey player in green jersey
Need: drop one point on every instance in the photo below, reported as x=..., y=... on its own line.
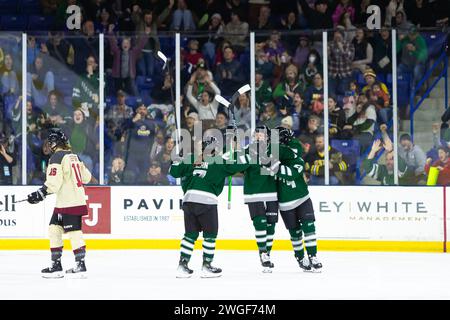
x=202, y=182
x=296, y=207
x=260, y=194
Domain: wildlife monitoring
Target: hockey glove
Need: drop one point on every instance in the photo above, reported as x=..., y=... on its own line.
x=37, y=196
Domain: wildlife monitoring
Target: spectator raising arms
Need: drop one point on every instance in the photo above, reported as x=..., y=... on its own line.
x=124, y=61
x=206, y=105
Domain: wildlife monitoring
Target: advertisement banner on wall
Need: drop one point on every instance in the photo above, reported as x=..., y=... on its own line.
x=379, y=213
x=357, y=213
x=20, y=219
x=99, y=206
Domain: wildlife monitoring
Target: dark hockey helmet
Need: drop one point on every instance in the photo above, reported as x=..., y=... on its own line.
x=57, y=138
x=285, y=134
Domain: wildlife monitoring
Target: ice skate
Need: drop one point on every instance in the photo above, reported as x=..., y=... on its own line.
x=53, y=272
x=265, y=262
x=79, y=272
x=304, y=264
x=316, y=265
x=209, y=271
x=183, y=270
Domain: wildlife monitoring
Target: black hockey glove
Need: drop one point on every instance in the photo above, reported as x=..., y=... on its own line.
x=37, y=196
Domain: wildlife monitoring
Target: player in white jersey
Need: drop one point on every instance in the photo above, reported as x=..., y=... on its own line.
x=66, y=175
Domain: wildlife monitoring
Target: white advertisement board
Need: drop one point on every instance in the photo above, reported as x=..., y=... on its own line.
x=20, y=219
x=350, y=213
x=358, y=213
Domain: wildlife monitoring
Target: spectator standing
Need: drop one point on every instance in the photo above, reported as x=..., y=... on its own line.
x=344, y=7
x=229, y=75
x=145, y=22
x=182, y=17
x=84, y=44
x=124, y=61
x=363, y=52
x=118, y=120
x=382, y=52
x=341, y=54
x=85, y=94
x=141, y=136
x=319, y=17
x=9, y=80
x=236, y=32
x=302, y=52
x=8, y=159
x=414, y=54
x=420, y=13
x=215, y=30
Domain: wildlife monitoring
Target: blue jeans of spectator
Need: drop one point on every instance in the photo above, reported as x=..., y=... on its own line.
x=384, y=115
x=183, y=18
x=146, y=65
x=416, y=70
x=337, y=86
x=40, y=95
x=320, y=181
x=209, y=52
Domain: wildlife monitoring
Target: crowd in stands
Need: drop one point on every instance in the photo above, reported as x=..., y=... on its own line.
x=63, y=80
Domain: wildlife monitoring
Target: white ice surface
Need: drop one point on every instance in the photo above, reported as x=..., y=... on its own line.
x=150, y=274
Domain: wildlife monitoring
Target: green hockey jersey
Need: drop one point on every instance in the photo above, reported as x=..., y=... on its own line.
x=203, y=183
x=292, y=189
x=259, y=183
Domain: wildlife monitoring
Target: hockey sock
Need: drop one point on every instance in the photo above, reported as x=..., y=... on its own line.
x=56, y=253
x=260, y=224
x=270, y=235
x=309, y=229
x=78, y=244
x=187, y=244
x=80, y=253
x=56, y=242
x=209, y=245
x=297, y=242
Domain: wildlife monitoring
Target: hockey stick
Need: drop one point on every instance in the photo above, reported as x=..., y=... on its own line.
x=21, y=200
x=230, y=107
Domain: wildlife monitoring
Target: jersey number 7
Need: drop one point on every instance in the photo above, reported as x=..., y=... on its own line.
x=77, y=171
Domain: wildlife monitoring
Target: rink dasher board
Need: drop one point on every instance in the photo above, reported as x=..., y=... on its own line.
x=140, y=217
